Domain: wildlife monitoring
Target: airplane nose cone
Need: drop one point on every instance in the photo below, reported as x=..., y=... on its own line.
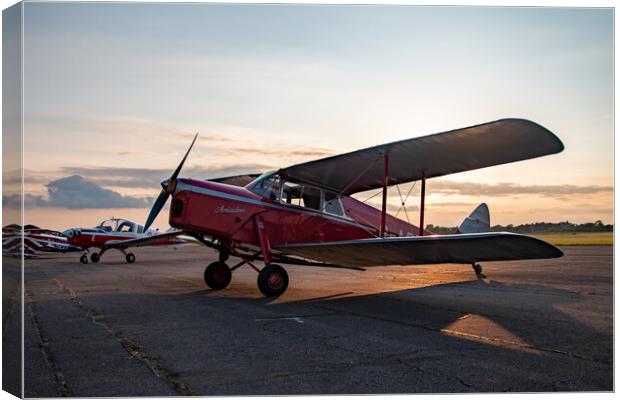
x=69, y=233
x=164, y=184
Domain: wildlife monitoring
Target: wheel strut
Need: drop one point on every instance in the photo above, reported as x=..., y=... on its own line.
x=272, y=279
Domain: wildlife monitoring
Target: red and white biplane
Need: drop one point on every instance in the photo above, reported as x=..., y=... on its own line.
x=304, y=214
x=120, y=234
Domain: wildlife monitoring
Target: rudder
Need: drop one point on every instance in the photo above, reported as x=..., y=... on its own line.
x=477, y=222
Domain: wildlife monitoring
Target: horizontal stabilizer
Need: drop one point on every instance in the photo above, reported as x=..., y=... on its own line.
x=438, y=249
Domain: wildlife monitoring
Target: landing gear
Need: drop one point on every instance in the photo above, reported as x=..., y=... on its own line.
x=130, y=258
x=84, y=259
x=478, y=270
x=217, y=275
x=272, y=280
x=95, y=257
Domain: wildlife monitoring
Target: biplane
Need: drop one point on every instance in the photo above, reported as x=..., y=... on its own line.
x=305, y=214
x=120, y=234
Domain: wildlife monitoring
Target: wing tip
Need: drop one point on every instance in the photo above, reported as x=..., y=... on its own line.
x=549, y=250
x=556, y=145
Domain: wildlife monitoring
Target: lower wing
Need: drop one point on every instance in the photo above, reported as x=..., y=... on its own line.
x=163, y=239
x=436, y=249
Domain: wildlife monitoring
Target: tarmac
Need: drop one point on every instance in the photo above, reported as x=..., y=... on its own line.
x=154, y=329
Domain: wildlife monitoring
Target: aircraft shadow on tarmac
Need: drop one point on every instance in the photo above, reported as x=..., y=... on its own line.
x=528, y=314
x=546, y=349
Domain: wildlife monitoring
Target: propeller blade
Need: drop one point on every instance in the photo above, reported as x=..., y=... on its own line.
x=157, y=206
x=168, y=188
x=173, y=177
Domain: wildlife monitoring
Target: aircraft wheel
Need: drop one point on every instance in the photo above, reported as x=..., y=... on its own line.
x=94, y=257
x=272, y=280
x=217, y=275
x=84, y=259
x=477, y=269
x=130, y=258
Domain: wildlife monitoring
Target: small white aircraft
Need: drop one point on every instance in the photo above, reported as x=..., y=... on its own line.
x=120, y=234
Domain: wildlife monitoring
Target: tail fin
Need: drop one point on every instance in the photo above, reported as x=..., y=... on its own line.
x=477, y=222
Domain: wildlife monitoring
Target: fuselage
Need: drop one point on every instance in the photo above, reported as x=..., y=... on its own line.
x=111, y=230
x=228, y=213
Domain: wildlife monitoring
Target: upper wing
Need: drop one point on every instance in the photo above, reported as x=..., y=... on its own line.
x=168, y=238
x=237, y=180
x=463, y=248
x=479, y=146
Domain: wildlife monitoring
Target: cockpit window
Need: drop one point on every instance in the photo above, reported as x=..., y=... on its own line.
x=272, y=186
x=301, y=195
x=108, y=225
x=267, y=185
x=332, y=204
x=125, y=227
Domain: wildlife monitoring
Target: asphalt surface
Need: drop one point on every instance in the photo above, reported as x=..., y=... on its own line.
x=153, y=328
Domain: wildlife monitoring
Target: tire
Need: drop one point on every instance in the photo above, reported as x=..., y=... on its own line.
x=84, y=259
x=94, y=257
x=478, y=269
x=217, y=275
x=272, y=280
x=130, y=258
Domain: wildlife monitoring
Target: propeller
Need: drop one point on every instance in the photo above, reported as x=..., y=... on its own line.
x=167, y=188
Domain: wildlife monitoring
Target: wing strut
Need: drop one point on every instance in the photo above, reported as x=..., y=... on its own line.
x=385, y=183
x=422, y=195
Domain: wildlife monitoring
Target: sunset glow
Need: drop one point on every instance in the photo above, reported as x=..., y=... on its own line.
x=114, y=93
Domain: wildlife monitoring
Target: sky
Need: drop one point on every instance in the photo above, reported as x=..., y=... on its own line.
x=113, y=94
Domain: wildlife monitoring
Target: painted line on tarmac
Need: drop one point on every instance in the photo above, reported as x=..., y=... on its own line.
x=296, y=319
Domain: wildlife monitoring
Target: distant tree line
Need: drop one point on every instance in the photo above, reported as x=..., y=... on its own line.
x=537, y=227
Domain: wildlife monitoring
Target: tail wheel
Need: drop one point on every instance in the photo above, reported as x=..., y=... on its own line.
x=217, y=275
x=478, y=269
x=130, y=258
x=84, y=259
x=94, y=257
x=272, y=280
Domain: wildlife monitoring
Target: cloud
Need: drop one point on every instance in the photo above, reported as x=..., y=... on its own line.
x=289, y=153
x=151, y=178
x=30, y=201
x=76, y=192
x=512, y=189
x=14, y=177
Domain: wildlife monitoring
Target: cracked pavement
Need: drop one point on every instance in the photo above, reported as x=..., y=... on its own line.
x=154, y=329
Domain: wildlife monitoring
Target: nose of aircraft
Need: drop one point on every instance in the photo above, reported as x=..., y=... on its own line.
x=69, y=233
